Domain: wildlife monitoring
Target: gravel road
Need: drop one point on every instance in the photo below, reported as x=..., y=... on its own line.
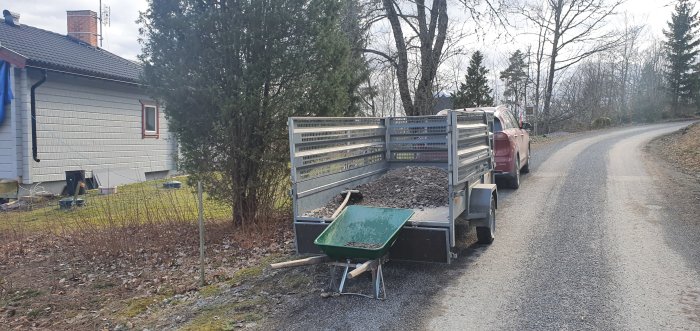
x=593, y=239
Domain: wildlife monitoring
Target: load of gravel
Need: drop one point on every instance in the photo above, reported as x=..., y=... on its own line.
x=406, y=187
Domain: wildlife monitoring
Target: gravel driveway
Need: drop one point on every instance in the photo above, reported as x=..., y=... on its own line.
x=593, y=239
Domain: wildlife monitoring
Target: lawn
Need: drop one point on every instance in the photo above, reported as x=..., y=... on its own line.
x=132, y=204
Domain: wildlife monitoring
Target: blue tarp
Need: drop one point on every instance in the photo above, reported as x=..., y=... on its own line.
x=5, y=90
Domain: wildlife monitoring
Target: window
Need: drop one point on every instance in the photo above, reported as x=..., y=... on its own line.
x=497, y=127
x=149, y=120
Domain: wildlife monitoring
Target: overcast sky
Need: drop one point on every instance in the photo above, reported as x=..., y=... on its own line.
x=120, y=37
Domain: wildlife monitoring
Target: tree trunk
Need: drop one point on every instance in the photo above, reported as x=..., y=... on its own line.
x=552, y=65
x=402, y=57
x=432, y=34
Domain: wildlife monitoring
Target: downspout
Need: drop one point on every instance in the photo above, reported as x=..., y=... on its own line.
x=33, y=112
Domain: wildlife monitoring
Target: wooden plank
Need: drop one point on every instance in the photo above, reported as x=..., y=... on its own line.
x=301, y=262
x=372, y=264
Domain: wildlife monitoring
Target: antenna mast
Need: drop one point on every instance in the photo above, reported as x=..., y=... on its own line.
x=105, y=13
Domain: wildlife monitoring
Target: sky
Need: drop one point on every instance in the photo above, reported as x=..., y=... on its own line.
x=121, y=36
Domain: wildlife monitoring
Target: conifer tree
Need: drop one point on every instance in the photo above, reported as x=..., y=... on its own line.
x=230, y=73
x=475, y=91
x=515, y=79
x=681, y=51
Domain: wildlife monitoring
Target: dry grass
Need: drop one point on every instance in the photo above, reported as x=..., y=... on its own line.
x=94, y=277
x=133, y=204
x=682, y=148
x=121, y=254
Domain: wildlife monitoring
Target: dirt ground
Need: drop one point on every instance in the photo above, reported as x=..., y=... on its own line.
x=142, y=278
x=681, y=148
x=675, y=161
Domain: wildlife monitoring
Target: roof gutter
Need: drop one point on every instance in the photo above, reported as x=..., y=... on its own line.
x=33, y=111
x=84, y=75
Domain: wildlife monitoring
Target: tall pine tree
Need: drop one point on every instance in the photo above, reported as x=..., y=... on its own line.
x=681, y=50
x=515, y=79
x=475, y=91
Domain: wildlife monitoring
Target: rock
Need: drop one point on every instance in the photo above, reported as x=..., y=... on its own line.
x=406, y=187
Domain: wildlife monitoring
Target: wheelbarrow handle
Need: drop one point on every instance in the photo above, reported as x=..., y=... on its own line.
x=345, y=202
x=300, y=262
x=371, y=264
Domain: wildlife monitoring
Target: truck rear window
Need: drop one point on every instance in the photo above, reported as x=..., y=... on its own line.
x=497, y=127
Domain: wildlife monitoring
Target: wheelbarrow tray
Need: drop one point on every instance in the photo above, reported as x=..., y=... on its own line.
x=373, y=229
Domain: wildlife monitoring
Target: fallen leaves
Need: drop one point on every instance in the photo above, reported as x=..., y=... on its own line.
x=681, y=148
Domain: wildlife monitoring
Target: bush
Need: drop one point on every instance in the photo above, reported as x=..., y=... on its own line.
x=601, y=122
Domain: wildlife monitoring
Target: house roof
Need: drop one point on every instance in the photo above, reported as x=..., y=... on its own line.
x=36, y=47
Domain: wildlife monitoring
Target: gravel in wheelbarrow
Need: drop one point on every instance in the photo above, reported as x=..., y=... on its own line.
x=362, y=245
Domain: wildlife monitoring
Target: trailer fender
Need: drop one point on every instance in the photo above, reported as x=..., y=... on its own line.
x=480, y=201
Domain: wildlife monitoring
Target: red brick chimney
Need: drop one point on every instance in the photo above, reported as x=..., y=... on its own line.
x=82, y=25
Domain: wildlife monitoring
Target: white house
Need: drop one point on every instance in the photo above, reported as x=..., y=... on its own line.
x=76, y=107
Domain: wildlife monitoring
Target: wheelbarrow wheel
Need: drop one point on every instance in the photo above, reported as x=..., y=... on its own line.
x=486, y=234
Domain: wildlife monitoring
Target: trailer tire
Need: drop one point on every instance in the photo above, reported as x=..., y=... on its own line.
x=515, y=177
x=486, y=234
x=526, y=167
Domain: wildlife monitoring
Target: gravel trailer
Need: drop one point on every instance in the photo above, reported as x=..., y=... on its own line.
x=333, y=154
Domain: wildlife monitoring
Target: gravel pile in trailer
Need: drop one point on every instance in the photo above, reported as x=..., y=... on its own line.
x=407, y=187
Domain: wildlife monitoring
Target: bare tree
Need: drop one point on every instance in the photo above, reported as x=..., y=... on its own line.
x=571, y=24
x=422, y=42
x=430, y=27
x=629, y=48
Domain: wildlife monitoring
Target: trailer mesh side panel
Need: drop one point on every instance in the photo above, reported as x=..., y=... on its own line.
x=329, y=154
x=473, y=156
x=417, y=139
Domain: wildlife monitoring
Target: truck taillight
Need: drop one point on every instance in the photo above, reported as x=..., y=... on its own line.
x=501, y=144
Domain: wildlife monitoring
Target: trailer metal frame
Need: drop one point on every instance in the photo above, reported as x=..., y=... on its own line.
x=331, y=154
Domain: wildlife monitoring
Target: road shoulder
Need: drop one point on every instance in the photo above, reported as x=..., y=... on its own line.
x=681, y=185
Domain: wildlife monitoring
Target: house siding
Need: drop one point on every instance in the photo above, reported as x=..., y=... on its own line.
x=91, y=124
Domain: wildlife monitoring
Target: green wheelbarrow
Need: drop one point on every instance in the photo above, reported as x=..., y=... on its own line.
x=358, y=233
x=361, y=232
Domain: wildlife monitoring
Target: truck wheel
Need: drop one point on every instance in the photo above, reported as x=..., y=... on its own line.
x=486, y=235
x=515, y=177
x=526, y=168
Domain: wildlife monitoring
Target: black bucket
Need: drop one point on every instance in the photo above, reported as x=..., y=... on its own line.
x=73, y=179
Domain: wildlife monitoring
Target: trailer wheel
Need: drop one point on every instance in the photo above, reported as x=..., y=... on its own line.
x=486, y=235
x=515, y=177
x=526, y=168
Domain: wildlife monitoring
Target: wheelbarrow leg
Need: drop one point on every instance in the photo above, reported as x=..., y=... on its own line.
x=345, y=276
x=334, y=277
x=381, y=276
x=378, y=282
